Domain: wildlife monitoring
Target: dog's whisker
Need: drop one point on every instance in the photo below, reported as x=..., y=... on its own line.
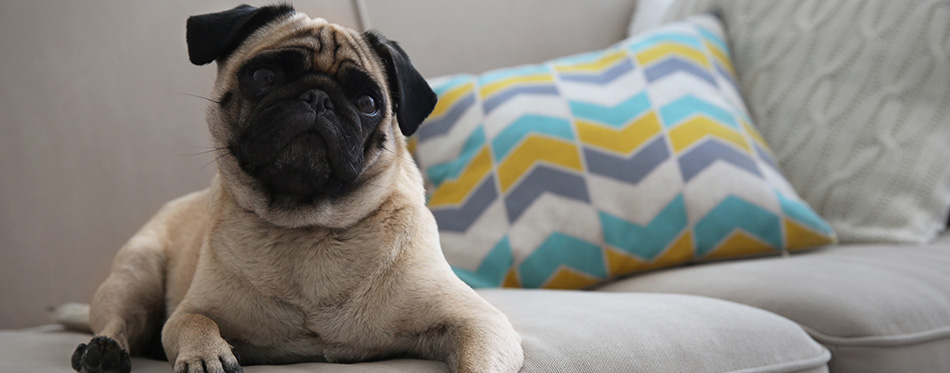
x=200, y=153
x=202, y=97
x=397, y=154
x=213, y=160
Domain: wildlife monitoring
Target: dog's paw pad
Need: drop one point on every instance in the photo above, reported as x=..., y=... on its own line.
x=101, y=355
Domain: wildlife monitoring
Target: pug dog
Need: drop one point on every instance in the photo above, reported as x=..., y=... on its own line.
x=313, y=241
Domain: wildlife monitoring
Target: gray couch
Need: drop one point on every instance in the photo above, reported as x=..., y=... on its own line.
x=854, y=307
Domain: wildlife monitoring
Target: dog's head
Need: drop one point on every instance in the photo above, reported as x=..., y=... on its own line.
x=310, y=117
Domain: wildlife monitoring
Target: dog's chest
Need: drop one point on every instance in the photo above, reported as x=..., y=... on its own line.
x=305, y=292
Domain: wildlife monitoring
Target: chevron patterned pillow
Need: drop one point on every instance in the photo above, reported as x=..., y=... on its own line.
x=589, y=167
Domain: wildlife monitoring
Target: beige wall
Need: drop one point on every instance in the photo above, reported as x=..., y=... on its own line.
x=97, y=128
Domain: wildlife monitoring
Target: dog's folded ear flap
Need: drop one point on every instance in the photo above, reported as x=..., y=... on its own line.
x=412, y=96
x=214, y=36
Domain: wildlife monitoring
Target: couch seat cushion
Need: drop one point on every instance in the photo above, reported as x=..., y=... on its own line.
x=878, y=308
x=562, y=331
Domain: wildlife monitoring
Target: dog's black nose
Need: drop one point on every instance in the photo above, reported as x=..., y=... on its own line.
x=318, y=100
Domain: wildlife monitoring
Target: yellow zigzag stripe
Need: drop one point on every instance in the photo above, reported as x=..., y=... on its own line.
x=800, y=237
x=740, y=244
x=595, y=66
x=537, y=149
x=622, y=141
x=755, y=135
x=664, y=50
x=449, y=99
x=720, y=56
x=697, y=128
x=454, y=192
x=567, y=278
x=494, y=87
x=679, y=252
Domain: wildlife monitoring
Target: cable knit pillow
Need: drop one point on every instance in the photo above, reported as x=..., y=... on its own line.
x=854, y=97
x=584, y=168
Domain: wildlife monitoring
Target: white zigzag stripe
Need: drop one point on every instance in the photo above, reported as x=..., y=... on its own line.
x=721, y=179
x=546, y=216
x=515, y=108
x=441, y=149
x=677, y=85
x=638, y=203
x=610, y=94
x=467, y=250
x=776, y=180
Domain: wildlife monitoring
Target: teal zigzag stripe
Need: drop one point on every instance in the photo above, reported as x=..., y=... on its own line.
x=735, y=213
x=494, y=76
x=491, y=272
x=451, y=83
x=529, y=124
x=646, y=241
x=660, y=38
x=714, y=39
x=689, y=105
x=561, y=250
x=451, y=170
x=801, y=213
x=616, y=116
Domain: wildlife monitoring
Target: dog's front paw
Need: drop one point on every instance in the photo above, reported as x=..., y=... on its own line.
x=215, y=360
x=101, y=355
x=489, y=346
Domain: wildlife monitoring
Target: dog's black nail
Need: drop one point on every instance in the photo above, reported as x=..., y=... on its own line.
x=237, y=356
x=93, y=355
x=102, y=354
x=77, y=356
x=231, y=367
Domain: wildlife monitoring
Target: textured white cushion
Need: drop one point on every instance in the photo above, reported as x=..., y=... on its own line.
x=563, y=331
x=878, y=308
x=647, y=15
x=854, y=98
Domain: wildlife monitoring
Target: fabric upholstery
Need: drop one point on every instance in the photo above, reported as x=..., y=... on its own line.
x=884, y=302
x=647, y=15
x=853, y=96
x=639, y=156
x=562, y=332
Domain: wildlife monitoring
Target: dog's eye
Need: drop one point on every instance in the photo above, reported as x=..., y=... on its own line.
x=366, y=105
x=264, y=76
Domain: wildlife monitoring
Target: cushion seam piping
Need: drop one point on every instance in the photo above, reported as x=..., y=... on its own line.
x=880, y=341
x=792, y=366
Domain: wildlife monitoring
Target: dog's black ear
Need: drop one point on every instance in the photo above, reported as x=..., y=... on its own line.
x=412, y=97
x=214, y=36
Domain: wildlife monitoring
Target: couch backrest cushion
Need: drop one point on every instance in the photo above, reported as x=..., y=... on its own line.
x=854, y=97
x=584, y=168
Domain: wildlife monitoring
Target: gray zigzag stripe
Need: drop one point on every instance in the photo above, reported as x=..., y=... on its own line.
x=697, y=159
x=725, y=74
x=632, y=169
x=673, y=65
x=442, y=125
x=543, y=179
x=764, y=156
x=493, y=102
x=459, y=219
x=602, y=78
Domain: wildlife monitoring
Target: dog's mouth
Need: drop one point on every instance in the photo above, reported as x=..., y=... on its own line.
x=297, y=162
